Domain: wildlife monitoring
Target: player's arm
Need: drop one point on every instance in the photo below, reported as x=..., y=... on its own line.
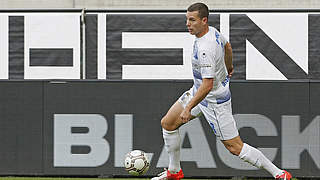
x=202, y=92
x=228, y=58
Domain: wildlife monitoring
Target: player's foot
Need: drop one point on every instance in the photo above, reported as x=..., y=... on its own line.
x=166, y=175
x=284, y=176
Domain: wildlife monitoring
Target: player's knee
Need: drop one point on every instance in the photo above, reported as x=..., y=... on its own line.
x=235, y=150
x=166, y=125
x=163, y=123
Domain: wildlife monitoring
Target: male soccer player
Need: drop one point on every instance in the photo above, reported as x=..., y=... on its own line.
x=210, y=95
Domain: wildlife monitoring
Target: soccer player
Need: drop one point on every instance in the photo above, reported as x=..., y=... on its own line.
x=210, y=95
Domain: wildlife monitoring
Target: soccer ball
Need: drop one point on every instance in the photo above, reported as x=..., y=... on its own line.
x=136, y=162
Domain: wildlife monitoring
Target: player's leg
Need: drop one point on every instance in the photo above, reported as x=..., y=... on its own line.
x=229, y=136
x=170, y=132
x=170, y=128
x=253, y=156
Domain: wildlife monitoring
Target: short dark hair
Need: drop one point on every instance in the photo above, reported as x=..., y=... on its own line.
x=201, y=8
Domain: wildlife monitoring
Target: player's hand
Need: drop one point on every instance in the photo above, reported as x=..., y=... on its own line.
x=230, y=71
x=185, y=116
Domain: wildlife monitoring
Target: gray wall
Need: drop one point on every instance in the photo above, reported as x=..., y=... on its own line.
x=156, y=4
x=86, y=127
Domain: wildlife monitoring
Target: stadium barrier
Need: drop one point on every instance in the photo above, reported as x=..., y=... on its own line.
x=85, y=128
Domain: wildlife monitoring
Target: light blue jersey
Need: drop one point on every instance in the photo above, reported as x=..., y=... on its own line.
x=208, y=62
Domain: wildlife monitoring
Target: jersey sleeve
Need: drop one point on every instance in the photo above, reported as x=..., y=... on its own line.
x=207, y=64
x=223, y=40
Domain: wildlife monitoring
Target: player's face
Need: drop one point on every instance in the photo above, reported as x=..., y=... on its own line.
x=196, y=26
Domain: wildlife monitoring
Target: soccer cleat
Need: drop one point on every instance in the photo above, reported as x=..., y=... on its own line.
x=166, y=175
x=284, y=176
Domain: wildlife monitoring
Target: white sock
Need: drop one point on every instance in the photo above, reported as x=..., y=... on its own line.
x=257, y=159
x=172, y=145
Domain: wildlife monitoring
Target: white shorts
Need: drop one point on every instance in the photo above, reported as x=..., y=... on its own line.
x=219, y=116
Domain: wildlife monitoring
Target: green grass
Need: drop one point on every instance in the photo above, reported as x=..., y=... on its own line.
x=49, y=178
x=58, y=178
x=55, y=178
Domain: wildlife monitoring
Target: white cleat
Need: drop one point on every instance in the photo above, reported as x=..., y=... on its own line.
x=165, y=175
x=161, y=176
